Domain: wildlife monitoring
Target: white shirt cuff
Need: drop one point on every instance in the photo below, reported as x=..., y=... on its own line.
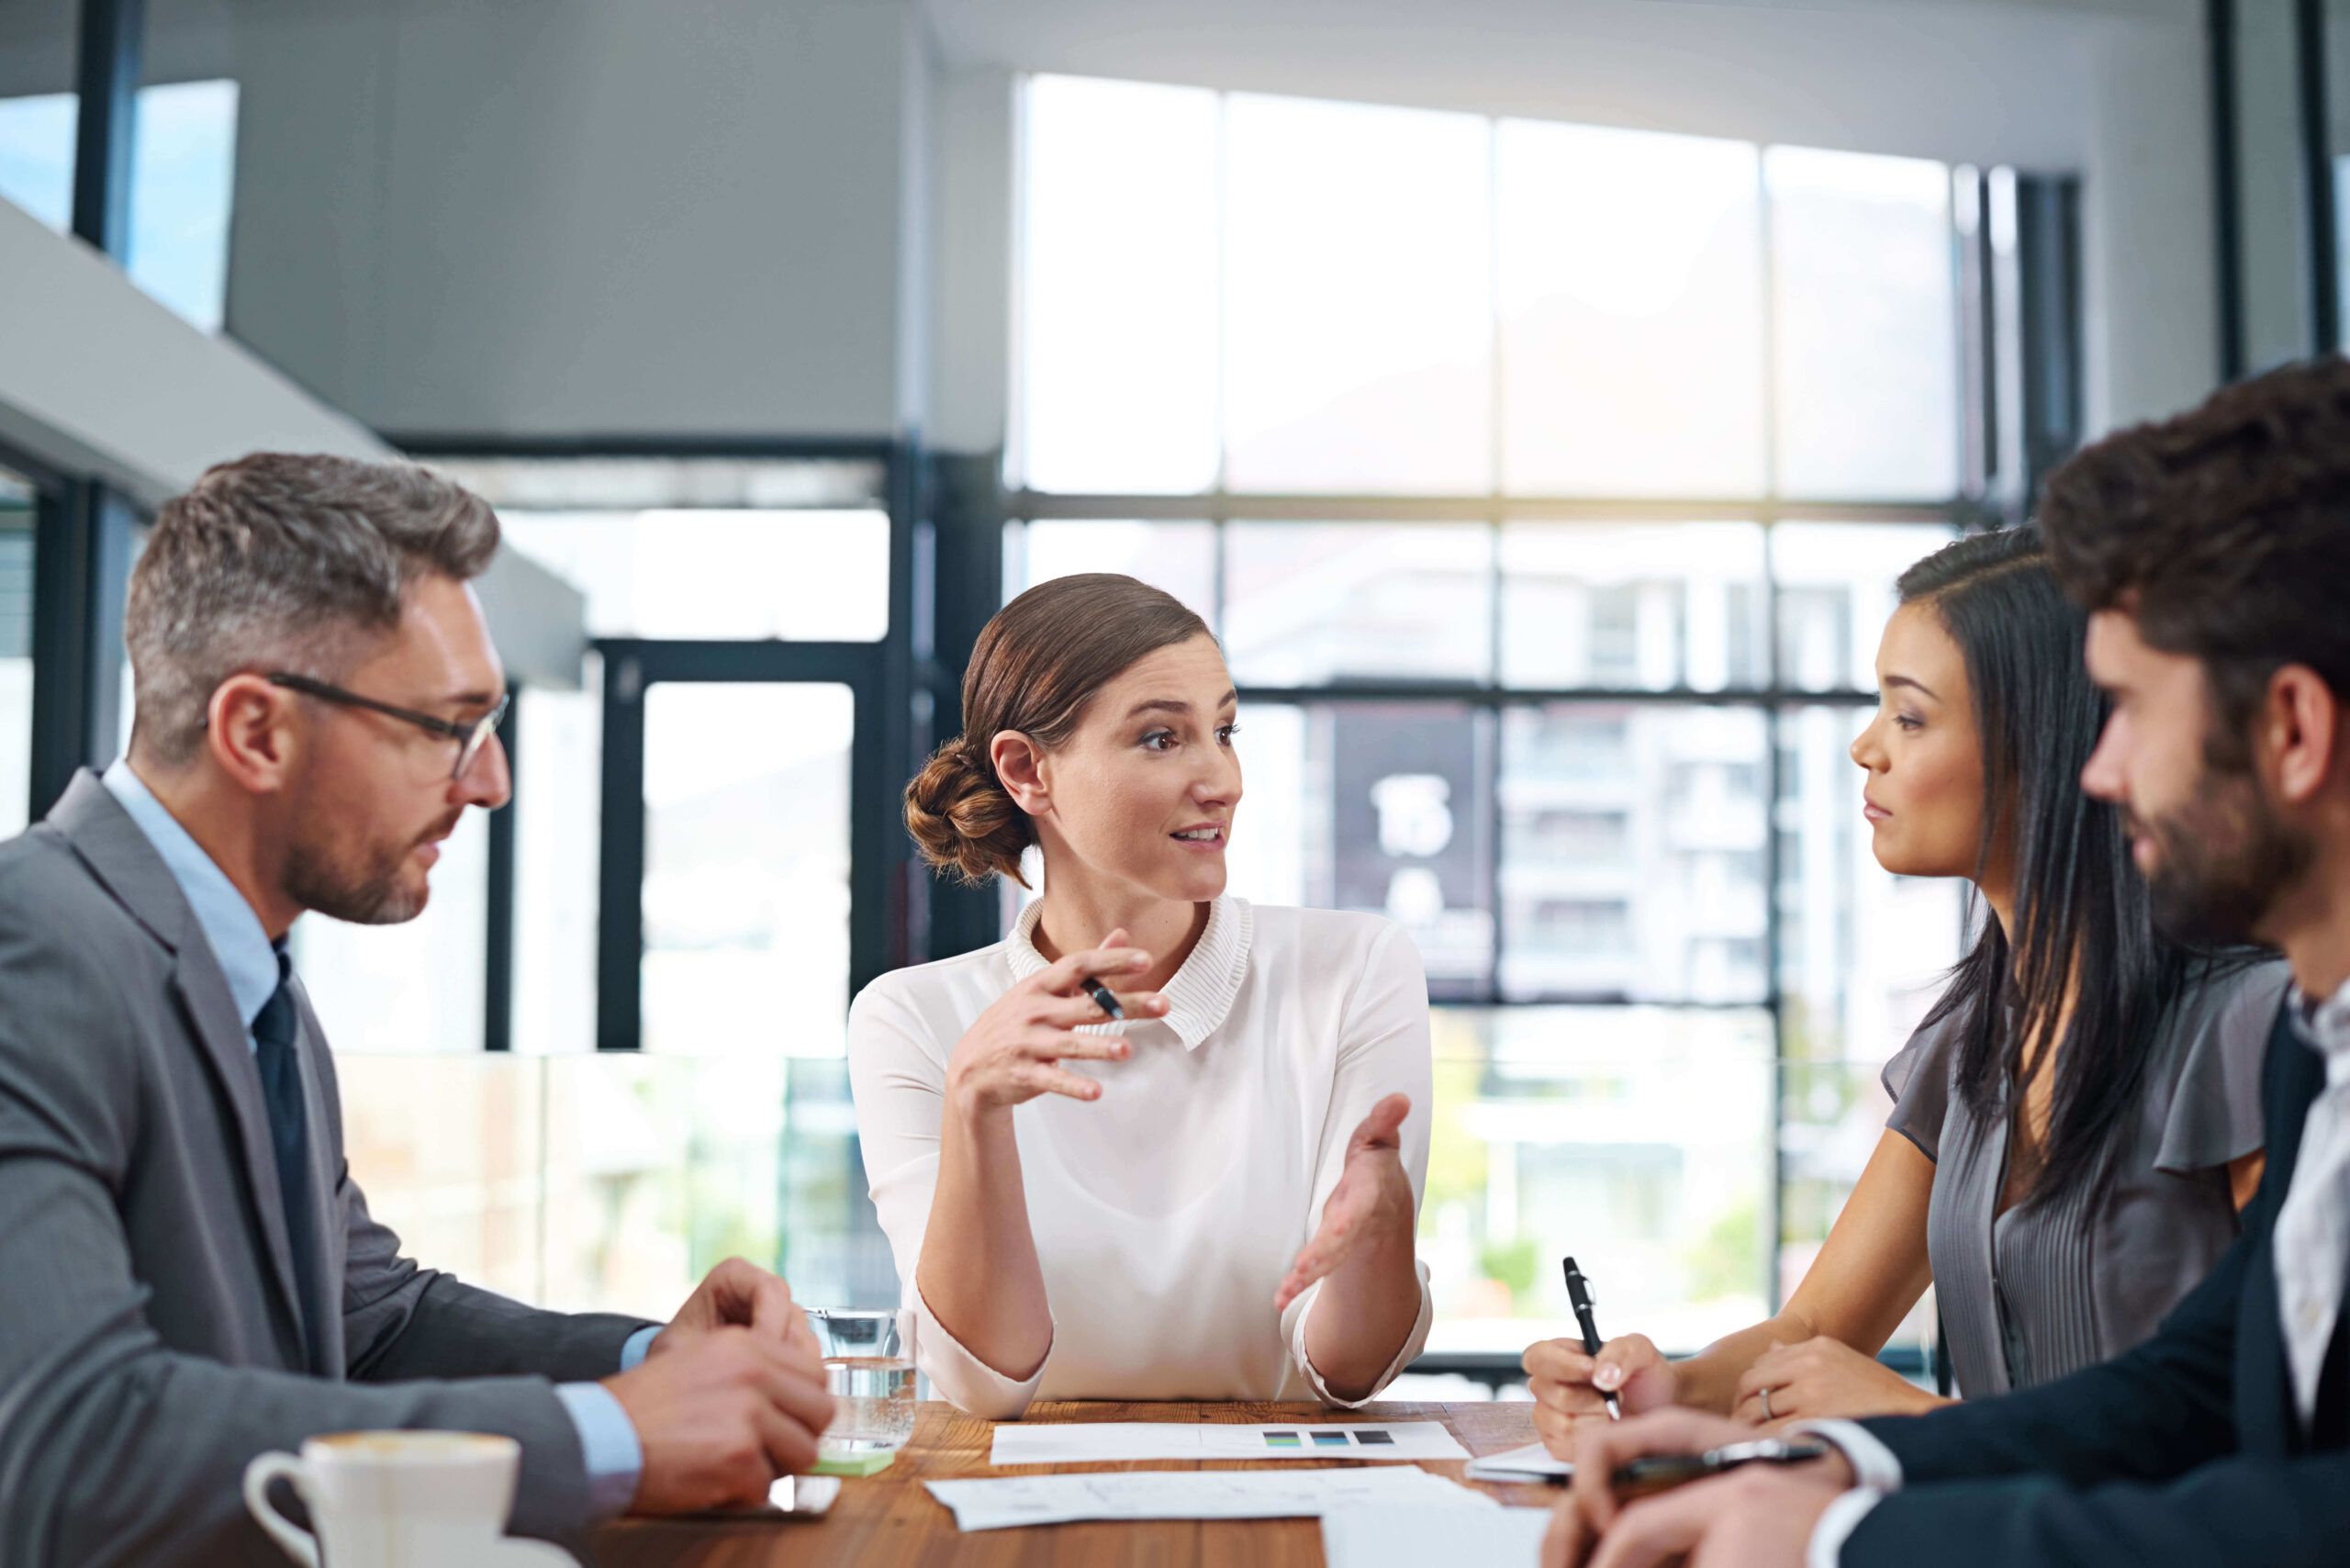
x=1836, y=1527
x=1414, y=1342
x=1874, y=1466
x=958, y=1376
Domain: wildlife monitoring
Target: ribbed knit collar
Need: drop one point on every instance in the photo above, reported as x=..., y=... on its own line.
x=1201, y=995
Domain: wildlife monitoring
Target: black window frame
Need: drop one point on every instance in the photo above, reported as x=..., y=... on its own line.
x=888, y=902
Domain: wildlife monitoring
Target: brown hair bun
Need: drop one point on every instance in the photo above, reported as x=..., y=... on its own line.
x=1037, y=665
x=961, y=819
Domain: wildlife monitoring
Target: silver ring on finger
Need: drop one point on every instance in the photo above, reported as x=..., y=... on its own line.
x=1765, y=1395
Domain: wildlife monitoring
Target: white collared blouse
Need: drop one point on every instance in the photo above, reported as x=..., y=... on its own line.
x=1167, y=1212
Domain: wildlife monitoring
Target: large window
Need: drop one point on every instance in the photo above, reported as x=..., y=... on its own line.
x=1546, y=486
x=2334, y=30
x=745, y=843
x=737, y=606
x=1225, y=291
x=183, y=160
x=744, y=780
x=16, y=502
x=37, y=105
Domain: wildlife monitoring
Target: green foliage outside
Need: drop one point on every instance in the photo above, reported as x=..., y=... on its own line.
x=1730, y=1260
x=1456, y=1157
x=1512, y=1264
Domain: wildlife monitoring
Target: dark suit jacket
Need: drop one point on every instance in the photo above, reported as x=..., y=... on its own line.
x=2186, y=1450
x=149, y=1342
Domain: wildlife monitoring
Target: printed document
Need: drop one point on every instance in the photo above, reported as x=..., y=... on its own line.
x=1125, y=1442
x=1412, y=1537
x=1532, y=1463
x=1011, y=1501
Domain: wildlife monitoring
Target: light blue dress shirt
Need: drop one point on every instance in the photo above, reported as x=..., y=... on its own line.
x=606, y=1440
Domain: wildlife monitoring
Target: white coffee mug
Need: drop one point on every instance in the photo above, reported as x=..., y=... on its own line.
x=400, y=1500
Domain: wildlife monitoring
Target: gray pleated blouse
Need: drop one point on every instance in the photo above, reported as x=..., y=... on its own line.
x=2045, y=1290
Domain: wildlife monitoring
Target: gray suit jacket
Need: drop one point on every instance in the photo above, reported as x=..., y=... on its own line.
x=149, y=1342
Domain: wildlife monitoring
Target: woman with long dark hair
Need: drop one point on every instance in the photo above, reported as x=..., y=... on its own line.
x=2076, y=1122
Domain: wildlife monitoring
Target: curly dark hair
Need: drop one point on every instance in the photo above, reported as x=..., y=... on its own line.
x=2225, y=529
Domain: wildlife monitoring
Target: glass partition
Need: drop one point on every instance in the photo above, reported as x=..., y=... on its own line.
x=613, y=1182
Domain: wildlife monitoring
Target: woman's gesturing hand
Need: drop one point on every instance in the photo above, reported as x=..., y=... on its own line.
x=1820, y=1379
x=1013, y=1052
x=1373, y=1198
x=1568, y=1385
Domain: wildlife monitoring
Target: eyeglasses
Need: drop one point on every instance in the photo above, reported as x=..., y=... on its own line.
x=470, y=737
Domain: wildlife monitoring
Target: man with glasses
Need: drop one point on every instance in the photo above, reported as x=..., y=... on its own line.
x=189, y=1276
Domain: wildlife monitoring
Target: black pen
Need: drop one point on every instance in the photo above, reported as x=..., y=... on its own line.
x=1103, y=998
x=1579, y=1296
x=1651, y=1473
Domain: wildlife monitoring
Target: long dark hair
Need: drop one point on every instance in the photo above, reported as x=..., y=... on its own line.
x=2082, y=921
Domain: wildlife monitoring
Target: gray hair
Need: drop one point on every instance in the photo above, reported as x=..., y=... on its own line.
x=279, y=562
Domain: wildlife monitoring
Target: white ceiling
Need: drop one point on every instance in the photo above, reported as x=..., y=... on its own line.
x=1966, y=80
x=996, y=31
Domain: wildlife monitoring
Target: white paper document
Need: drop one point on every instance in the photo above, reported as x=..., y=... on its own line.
x=1125, y=1442
x=1387, y=1536
x=1009, y=1502
x=1532, y=1463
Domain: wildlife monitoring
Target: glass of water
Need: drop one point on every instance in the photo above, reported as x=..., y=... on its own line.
x=869, y=1365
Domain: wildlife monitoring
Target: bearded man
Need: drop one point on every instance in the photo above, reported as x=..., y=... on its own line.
x=2214, y=551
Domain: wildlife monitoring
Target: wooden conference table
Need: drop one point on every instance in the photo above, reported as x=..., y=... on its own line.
x=892, y=1522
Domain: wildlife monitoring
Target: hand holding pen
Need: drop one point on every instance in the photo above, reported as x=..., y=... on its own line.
x=1752, y=1501
x=1574, y=1381
x=1021, y=1047
x=1579, y=1297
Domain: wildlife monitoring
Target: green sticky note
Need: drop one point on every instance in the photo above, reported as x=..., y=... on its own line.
x=872, y=1463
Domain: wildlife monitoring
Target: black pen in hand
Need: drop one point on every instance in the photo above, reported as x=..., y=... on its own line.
x=1651, y=1473
x=1579, y=1297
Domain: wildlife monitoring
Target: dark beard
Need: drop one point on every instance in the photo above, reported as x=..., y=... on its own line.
x=2225, y=859
x=374, y=898
x=371, y=895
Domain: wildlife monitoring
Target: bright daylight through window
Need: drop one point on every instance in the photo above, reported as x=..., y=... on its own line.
x=1546, y=485
x=183, y=161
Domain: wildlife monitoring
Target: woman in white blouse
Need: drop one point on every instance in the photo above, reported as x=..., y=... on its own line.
x=1213, y=1199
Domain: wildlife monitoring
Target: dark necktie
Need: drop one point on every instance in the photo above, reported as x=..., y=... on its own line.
x=289, y=1133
